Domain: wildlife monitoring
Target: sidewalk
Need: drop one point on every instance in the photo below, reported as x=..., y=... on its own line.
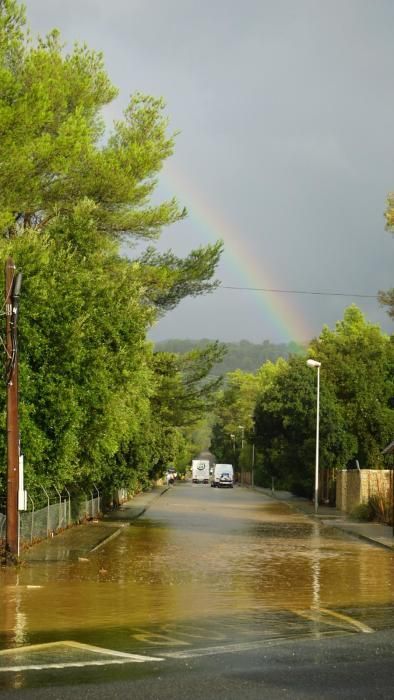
x=81, y=540
x=373, y=532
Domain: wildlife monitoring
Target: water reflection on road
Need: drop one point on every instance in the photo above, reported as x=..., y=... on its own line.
x=203, y=564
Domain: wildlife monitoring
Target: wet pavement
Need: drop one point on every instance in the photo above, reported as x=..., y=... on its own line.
x=81, y=540
x=200, y=572
x=377, y=533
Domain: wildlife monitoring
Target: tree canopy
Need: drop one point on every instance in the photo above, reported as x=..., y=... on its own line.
x=277, y=407
x=97, y=404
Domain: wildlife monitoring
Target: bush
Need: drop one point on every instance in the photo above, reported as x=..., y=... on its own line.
x=363, y=512
x=382, y=508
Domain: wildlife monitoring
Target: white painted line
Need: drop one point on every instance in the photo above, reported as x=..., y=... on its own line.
x=318, y=615
x=75, y=664
x=350, y=620
x=109, y=652
x=242, y=646
x=121, y=657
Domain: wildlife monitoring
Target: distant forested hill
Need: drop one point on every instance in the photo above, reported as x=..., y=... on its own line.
x=243, y=355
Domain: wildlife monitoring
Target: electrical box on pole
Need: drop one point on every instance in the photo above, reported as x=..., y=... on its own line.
x=22, y=494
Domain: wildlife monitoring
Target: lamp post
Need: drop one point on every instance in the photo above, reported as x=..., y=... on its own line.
x=232, y=436
x=242, y=429
x=316, y=365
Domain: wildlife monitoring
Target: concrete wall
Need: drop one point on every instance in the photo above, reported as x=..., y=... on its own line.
x=355, y=487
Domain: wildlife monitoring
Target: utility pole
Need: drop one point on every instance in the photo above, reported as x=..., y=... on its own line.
x=12, y=290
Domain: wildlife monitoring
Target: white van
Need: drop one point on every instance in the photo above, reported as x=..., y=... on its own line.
x=223, y=475
x=200, y=471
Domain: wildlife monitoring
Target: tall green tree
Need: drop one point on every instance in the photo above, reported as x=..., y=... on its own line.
x=358, y=363
x=285, y=419
x=53, y=148
x=70, y=191
x=234, y=414
x=184, y=392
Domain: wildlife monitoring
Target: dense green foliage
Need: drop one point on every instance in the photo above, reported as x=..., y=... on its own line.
x=277, y=408
x=97, y=404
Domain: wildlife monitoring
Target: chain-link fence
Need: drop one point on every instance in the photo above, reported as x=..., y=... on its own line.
x=59, y=512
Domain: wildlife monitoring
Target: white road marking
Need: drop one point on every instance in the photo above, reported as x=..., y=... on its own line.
x=350, y=620
x=242, y=646
x=121, y=657
x=315, y=614
x=75, y=664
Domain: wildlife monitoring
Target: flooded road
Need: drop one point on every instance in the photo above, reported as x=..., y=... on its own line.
x=203, y=568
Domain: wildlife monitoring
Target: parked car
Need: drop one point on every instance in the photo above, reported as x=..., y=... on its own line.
x=171, y=475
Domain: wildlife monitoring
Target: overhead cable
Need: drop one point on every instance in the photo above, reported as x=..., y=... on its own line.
x=301, y=291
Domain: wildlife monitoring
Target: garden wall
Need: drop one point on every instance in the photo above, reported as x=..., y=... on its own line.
x=357, y=486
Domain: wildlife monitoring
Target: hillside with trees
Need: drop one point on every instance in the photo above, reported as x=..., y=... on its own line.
x=244, y=355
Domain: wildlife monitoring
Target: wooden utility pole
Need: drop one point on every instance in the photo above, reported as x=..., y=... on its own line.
x=12, y=525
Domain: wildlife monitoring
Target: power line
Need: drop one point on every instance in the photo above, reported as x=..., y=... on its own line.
x=301, y=291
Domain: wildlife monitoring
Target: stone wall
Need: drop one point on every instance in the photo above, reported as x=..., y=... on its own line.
x=355, y=487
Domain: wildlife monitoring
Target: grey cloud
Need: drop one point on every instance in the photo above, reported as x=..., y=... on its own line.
x=286, y=111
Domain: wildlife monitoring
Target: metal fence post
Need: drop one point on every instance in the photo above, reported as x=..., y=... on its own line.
x=46, y=493
x=69, y=506
x=32, y=519
x=60, y=507
x=98, y=499
x=92, y=504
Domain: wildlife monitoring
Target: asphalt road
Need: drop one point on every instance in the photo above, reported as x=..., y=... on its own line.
x=210, y=594
x=344, y=667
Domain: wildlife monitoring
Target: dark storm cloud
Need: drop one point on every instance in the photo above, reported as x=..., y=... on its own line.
x=286, y=111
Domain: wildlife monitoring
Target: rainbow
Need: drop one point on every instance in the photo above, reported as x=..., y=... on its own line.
x=281, y=310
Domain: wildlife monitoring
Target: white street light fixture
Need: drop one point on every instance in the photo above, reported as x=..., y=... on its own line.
x=316, y=365
x=313, y=363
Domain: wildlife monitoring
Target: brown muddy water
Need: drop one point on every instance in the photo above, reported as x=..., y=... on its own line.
x=203, y=566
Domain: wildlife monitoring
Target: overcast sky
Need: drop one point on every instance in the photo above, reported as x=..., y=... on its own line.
x=286, y=116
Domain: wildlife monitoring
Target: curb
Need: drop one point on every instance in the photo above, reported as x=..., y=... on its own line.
x=132, y=517
x=105, y=540
x=138, y=510
x=361, y=536
x=321, y=518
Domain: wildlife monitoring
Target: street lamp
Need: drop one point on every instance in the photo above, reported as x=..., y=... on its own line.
x=316, y=365
x=242, y=428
